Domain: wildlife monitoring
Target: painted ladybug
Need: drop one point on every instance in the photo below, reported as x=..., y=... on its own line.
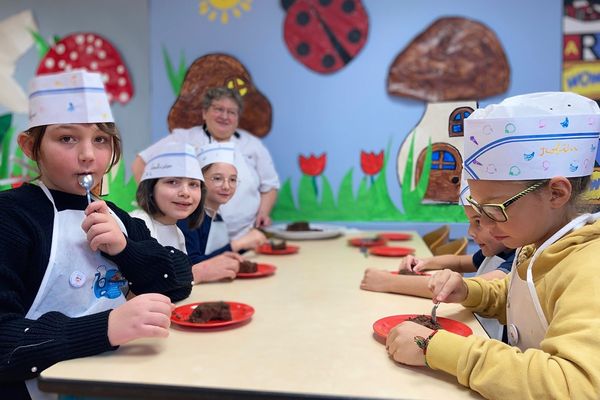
x=325, y=35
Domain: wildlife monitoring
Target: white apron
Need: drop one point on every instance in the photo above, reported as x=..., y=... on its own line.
x=78, y=281
x=526, y=322
x=239, y=213
x=218, y=236
x=491, y=325
x=166, y=235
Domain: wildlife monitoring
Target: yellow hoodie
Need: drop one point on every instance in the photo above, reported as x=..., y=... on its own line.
x=567, y=366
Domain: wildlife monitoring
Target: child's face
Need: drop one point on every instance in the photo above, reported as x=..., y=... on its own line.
x=221, y=183
x=486, y=242
x=530, y=218
x=69, y=151
x=176, y=198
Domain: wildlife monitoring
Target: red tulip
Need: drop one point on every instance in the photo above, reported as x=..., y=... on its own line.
x=313, y=165
x=371, y=163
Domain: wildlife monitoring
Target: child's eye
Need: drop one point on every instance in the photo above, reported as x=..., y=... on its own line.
x=101, y=139
x=67, y=139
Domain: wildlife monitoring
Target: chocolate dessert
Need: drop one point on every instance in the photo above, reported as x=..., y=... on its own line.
x=300, y=226
x=408, y=272
x=425, y=320
x=248, y=267
x=278, y=245
x=211, y=311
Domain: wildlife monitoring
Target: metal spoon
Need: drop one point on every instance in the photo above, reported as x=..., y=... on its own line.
x=433, y=311
x=87, y=182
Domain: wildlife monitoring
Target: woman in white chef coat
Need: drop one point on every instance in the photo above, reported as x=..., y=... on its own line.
x=256, y=194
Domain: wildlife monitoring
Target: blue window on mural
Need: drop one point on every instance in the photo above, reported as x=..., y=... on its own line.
x=457, y=118
x=442, y=160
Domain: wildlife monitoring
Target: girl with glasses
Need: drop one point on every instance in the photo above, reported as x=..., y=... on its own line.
x=530, y=159
x=211, y=242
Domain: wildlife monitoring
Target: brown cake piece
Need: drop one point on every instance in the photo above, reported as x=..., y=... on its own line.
x=426, y=321
x=248, y=267
x=408, y=272
x=211, y=311
x=282, y=245
x=300, y=226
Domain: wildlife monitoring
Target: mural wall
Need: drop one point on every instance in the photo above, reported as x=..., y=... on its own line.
x=349, y=140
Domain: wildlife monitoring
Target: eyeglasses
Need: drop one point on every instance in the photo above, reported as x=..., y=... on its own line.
x=230, y=112
x=497, y=212
x=219, y=181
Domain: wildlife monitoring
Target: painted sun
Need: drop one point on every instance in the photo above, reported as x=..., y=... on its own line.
x=221, y=9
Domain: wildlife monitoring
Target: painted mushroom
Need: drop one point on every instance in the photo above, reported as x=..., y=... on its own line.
x=94, y=53
x=220, y=70
x=451, y=65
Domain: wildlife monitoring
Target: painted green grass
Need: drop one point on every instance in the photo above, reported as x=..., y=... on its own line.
x=122, y=190
x=176, y=76
x=371, y=202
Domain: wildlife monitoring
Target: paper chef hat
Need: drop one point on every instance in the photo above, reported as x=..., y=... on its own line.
x=72, y=97
x=532, y=136
x=217, y=152
x=173, y=160
x=464, y=190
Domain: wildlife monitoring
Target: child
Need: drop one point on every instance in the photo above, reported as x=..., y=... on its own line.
x=212, y=238
x=64, y=263
x=530, y=157
x=170, y=190
x=492, y=261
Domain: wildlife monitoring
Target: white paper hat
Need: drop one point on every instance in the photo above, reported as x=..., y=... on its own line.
x=73, y=97
x=173, y=160
x=464, y=190
x=533, y=136
x=217, y=152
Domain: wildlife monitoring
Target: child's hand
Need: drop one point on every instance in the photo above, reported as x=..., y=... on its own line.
x=216, y=268
x=250, y=240
x=448, y=286
x=103, y=232
x=411, y=263
x=376, y=280
x=234, y=255
x=146, y=315
x=401, y=345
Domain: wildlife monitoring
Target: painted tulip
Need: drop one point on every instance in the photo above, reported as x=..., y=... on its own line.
x=313, y=165
x=371, y=163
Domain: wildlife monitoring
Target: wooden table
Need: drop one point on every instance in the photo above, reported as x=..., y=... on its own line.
x=310, y=337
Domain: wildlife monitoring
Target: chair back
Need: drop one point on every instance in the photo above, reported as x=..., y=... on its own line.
x=437, y=237
x=456, y=247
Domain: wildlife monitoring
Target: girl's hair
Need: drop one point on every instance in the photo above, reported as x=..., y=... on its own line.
x=218, y=93
x=145, y=199
x=37, y=133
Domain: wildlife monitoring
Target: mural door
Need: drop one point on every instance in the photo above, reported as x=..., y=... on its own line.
x=444, y=177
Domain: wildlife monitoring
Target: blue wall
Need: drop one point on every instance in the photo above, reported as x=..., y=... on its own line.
x=347, y=111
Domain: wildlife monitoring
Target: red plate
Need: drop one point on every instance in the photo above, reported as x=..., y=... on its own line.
x=391, y=251
x=266, y=249
x=383, y=326
x=395, y=236
x=262, y=270
x=416, y=273
x=239, y=313
x=366, y=242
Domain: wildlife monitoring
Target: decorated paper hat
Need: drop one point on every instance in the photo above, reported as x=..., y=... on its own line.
x=533, y=136
x=73, y=97
x=173, y=160
x=464, y=190
x=217, y=152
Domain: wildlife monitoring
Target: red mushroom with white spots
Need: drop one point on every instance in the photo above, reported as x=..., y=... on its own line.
x=94, y=53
